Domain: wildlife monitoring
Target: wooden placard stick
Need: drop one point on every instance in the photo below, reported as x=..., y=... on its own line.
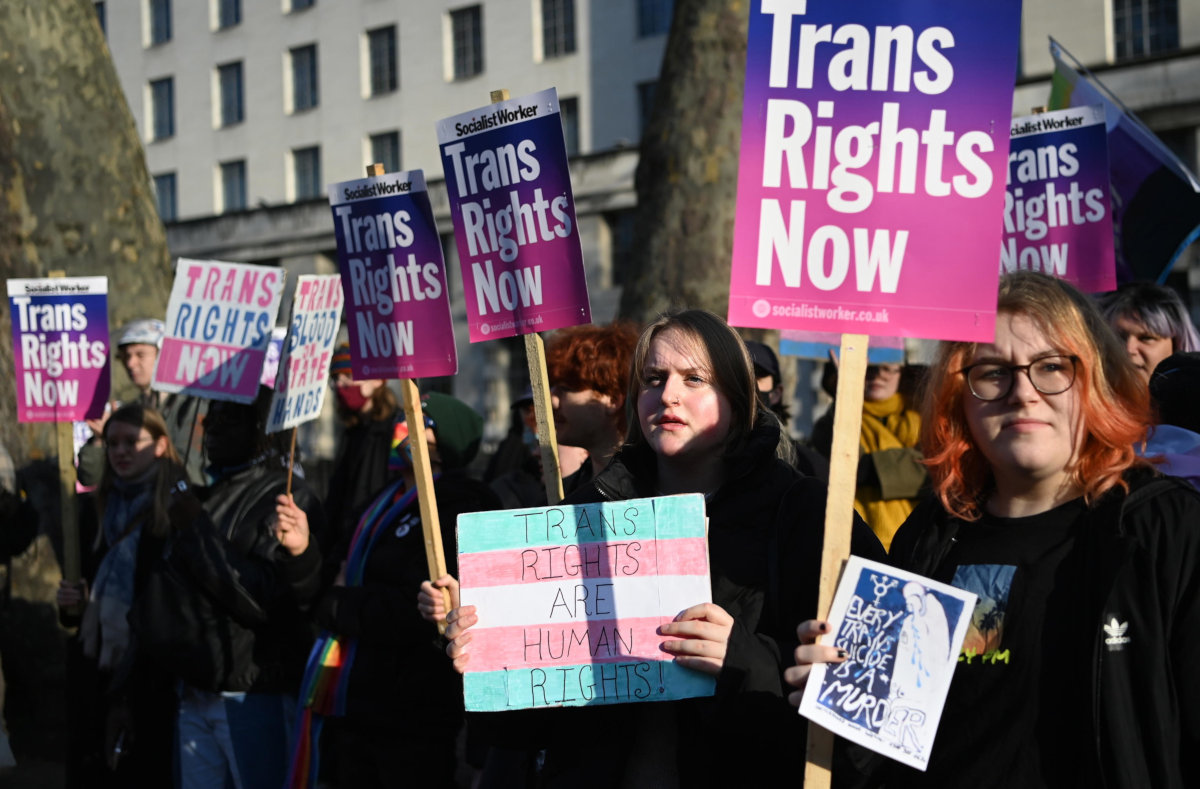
x=65, y=439
x=535, y=355
x=291, y=461
x=431, y=528
x=839, y=517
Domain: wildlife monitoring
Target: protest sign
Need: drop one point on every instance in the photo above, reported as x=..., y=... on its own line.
x=871, y=178
x=300, y=384
x=394, y=277
x=818, y=345
x=1056, y=210
x=60, y=347
x=902, y=633
x=514, y=217
x=1155, y=198
x=270, y=370
x=570, y=598
x=219, y=322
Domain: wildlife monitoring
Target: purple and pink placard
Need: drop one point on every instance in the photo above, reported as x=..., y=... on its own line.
x=514, y=218
x=871, y=180
x=304, y=356
x=60, y=347
x=219, y=322
x=570, y=599
x=393, y=277
x=1057, y=217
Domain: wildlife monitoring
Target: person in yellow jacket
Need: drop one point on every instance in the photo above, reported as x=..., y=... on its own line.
x=890, y=471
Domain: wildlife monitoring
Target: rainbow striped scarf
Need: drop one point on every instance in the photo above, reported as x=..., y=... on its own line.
x=327, y=673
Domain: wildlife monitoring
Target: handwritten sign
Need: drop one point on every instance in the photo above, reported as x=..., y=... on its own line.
x=874, y=144
x=219, y=321
x=300, y=385
x=902, y=633
x=1057, y=217
x=60, y=347
x=394, y=277
x=570, y=598
x=514, y=217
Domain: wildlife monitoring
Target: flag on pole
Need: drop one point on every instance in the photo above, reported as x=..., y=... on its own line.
x=1155, y=198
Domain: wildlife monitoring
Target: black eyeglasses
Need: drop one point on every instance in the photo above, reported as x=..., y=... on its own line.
x=1050, y=375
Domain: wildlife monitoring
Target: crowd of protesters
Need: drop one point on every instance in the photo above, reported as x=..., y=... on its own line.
x=236, y=629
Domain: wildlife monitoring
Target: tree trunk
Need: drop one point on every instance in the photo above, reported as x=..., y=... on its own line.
x=687, y=171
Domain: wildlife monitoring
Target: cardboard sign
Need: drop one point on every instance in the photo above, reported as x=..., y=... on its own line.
x=514, y=218
x=902, y=632
x=219, y=322
x=871, y=178
x=1057, y=218
x=818, y=345
x=60, y=347
x=301, y=382
x=394, y=278
x=570, y=598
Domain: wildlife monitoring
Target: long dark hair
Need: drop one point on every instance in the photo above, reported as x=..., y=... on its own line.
x=168, y=471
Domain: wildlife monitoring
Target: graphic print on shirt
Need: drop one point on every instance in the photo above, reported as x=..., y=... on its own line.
x=993, y=584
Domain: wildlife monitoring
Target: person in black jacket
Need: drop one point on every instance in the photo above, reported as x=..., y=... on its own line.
x=1078, y=664
x=402, y=704
x=698, y=427
x=234, y=726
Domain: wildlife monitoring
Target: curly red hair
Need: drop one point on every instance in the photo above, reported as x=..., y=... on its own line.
x=1114, y=401
x=593, y=357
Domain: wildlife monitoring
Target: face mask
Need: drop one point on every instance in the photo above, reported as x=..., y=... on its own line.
x=351, y=398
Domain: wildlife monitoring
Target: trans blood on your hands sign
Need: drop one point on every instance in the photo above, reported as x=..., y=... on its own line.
x=394, y=277
x=514, y=218
x=219, y=322
x=60, y=347
x=1056, y=211
x=307, y=349
x=871, y=180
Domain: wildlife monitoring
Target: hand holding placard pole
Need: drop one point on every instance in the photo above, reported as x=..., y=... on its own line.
x=839, y=517
x=431, y=528
x=535, y=355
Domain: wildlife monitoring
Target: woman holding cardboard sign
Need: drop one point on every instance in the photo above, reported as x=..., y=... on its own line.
x=698, y=428
x=1078, y=666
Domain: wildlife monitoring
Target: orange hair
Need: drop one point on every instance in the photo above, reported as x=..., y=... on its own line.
x=593, y=357
x=1114, y=401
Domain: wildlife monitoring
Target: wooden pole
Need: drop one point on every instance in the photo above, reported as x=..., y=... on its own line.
x=535, y=355
x=839, y=517
x=65, y=439
x=431, y=527
x=291, y=462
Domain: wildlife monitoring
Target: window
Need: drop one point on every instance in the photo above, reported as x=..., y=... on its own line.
x=233, y=186
x=229, y=76
x=381, y=44
x=305, y=94
x=385, y=150
x=558, y=27
x=654, y=17
x=164, y=196
x=306, y=172
x=162, y=108
x=466, y=25
x=1144, y=27
x=102, y=18
x=300, y=5
x=568, y=110
x=229, y=13
x=160, y=21
x=645, y=104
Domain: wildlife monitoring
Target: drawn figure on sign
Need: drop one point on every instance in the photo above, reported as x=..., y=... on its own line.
x=923, y=645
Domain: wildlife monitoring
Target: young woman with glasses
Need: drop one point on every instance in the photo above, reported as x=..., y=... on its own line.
x=1078, y=668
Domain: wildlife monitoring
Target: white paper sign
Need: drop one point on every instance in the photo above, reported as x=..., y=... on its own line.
x=903, y=633
x=304, y=362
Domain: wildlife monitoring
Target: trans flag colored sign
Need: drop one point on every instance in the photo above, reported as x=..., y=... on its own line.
x=394, y=278
x=1056, y=212
x=871, y=178
x=60, y=347
x=570, y=599
x=514, y=218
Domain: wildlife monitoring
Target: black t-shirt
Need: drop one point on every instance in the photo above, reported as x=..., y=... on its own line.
x=1017, y=686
